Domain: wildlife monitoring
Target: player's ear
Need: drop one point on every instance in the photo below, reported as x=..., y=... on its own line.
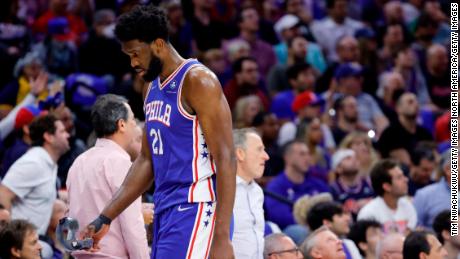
x=157, y=46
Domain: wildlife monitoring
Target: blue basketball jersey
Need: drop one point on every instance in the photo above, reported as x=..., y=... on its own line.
x=183, y=167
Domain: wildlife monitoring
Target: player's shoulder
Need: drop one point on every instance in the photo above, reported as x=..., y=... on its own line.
x=201, y=73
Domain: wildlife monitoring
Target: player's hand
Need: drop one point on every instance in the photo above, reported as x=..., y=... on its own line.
x=96, y=230
x=221, y=248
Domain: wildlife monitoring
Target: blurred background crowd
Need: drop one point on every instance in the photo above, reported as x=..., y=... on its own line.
x=334, y=88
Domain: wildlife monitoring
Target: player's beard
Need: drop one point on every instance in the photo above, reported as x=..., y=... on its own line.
x=154, y=69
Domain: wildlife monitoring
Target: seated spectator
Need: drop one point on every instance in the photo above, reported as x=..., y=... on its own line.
x=59, y=211
x=287, y=27
x=57, y=8
x=434, y=198
x=365, y=152
x=261, y=51
x=349, y=78
x=405, y=63
x=29, y=187
x=301, y=78
x=246, y=108
x=391, y=209
x=350, y=189
x=437, y=75
x=323, y=244
x=331, y=215
x=278, y=246
x=393, y=40
x=391, y=87
x=214, y=59
x=337, y=24
x=101, y=53
x=207, y=32
x=346, y=118
x=180, y=30
x=291, y=184
x=246, y=81
x=390, y=246
x=442, y=226
x=406, y=131
x=424, y=163
x=423, y=244
x=248, y=212
x=366, y=234
x=19, y=239
x=267, y=125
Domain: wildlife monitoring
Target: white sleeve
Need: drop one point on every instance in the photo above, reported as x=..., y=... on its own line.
x=287, y=133
x=22, y=177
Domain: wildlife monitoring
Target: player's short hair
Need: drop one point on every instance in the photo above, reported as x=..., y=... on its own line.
x=145, y=23
x=106, y=112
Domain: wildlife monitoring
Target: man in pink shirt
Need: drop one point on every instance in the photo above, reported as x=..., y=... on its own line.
x=98, y=173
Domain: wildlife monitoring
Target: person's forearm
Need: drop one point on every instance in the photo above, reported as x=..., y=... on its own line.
x=226, y=182
x=138, y=180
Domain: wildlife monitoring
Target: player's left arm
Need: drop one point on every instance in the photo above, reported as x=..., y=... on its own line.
x=203, y=94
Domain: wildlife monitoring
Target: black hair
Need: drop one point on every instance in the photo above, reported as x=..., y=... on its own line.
x=286, y=148
x=145, y=23
x=290, y=41
x=12, y=234
x=322, y=211
x=239, y=15
x=237, y=66
x=421, y=153
x=106, y=113
x=440, y=223
x=415, y=243
x=380, y=174
x=41, y=125
x=294, y=70
x=358, y=231
x=259, y=119
x=331, y=3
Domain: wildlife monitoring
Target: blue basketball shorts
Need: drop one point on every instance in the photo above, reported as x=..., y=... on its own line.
x=184, y=231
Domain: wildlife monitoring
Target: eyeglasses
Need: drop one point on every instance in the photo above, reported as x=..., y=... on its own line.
x=292, y=250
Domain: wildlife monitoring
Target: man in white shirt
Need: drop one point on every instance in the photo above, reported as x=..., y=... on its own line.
x=248, y=235
x=394, y=211
x=29, y=187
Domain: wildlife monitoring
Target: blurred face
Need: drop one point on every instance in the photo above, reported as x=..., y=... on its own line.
x=422, y=173
x=373, y=236
x=328, y=246
x=349, y=166
x=437, y=251
x=30, y=248
x=32, y=70
x=394, y=249
x=253, y=107
x=59, y=6
x=408, y=106
x=299, y=48
x=394, y=36
x=271, y=127
x=204, y=3
x=250, y=20
x=294, y=6
x=175, y=14
x=339, y=10
x=395, y=82
x=217, y=64
x=351, y=85
x=340, y=224
x=310, y=112
x=253, y=161
x=405, y=59
x=60, y=139
x=288, y=250
x=348, y=50
x=350, y=109
x=299, y=157
x=305, y=80
x=315, y=134
x=394, y=12
x=249, y=73
x=399, y=181
x=65, y=115
x=145, y=63
x=361, y=146
x=438, y=61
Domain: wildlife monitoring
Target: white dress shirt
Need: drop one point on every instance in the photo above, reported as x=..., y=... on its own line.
x=248, y=235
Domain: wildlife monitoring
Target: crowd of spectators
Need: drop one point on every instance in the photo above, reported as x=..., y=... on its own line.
x=349, y=99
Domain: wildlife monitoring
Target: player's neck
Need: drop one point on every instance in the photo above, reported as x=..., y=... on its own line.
x=170, y=63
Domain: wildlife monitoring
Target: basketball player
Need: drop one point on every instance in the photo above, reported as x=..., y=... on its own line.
x=187, y=147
